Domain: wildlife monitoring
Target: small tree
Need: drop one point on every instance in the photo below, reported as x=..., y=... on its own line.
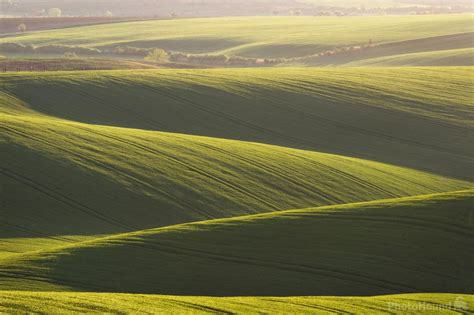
x=55, y=12
x=22, y=27
x=157, y=55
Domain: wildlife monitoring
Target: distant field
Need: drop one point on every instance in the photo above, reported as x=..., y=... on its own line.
x=95, y=303
x=446, y=50
x=10, y=25
x=456, y=57
x=71, y=64
x=262, y=37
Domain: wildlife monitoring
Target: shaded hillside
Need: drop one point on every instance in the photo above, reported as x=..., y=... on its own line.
x=419, y=118
x=63, y=180
x=417, y=244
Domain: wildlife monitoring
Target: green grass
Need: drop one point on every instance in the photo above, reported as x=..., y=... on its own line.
x=395, y=246
x=254, y=36
x=446, y=50
x=94, y=303
x=69, y=64
x=455, y=57
x=413, y=117
x=145, y=179
x=111, y=182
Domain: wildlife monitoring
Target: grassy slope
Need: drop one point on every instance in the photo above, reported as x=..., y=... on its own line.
x=53, y=303
x=416, y=244
x=455, y=50
x=70, y=64
x=419, y=118
x=296, y=36
x=95, y=180
x=455, y=57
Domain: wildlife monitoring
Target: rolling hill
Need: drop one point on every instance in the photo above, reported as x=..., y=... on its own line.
x=69, y=64
x=144, y=179
x=455, y=57
x=260, y=37
x=151, y=190
x=445, y=50
x=419, y=118
x=395, y=246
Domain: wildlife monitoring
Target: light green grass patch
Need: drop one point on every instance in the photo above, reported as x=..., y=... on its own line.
x=97, y=303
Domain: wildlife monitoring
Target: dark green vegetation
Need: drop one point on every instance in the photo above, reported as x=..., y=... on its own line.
x=150, y=179
x=337, y=250
x=416, y=118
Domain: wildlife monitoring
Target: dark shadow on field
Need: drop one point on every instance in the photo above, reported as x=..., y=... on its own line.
x=417, y=245
x=43, y=197
x=334, y=119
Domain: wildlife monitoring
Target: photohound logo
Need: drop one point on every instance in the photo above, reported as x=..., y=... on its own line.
x=458, y=304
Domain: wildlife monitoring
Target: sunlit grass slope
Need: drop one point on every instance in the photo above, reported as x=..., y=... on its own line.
x=446, y=50
x=70, y=64
x=415, y=117
x=254, y=36
x=64, y=180
x=455, y=57
x=95, y=303
x=407, y=245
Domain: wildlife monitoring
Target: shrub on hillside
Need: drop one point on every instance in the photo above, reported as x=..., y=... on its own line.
x=21, y=28
x=157, y=55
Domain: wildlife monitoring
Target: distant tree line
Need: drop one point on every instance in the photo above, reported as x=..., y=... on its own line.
x=158, y=55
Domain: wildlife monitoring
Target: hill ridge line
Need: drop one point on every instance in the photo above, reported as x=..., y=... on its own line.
x=238, y=218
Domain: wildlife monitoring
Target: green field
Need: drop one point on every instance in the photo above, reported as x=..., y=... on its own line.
x=455, y=57
x=266, y=37
x=69, y=64
x=428, y=110
x=93, y=303
x=340, y=182
x=55, y=142
x=335, y=250
x=155, y=179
